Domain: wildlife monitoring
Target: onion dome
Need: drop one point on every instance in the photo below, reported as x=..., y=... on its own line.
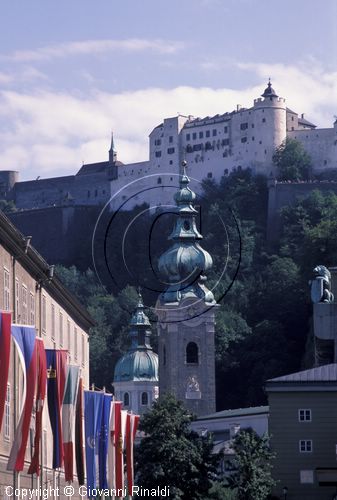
x=140, y=362
x=269, y=91
x=183, y=265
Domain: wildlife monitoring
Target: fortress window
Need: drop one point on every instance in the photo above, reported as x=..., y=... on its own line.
x=208, y=133
x=210, y=175
x=88, y=194
x=260, y=142
x=170, y=151
x=253, y=125
x=253, y=138
x=201, y=135
x=239, y=168
x=225, y=130
x=192, y=353
x=194, y=135
x=244, y=126
x=263, y=120
x=188, y=137
x=145, y=398
x=159, y=180
x=96, y=192
x=243, y=139
x=126, y=399
x=103, y=192
x=158, y=154
x=171, y=162
x=171, y=138
x=164, y=355
x=214, y=132
x=325, y=162
x=265, y=151
x=226, y=142
x=225, y=171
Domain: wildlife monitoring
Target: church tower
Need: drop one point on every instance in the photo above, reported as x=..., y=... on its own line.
x=186, y=312
x=113, y=159
x=136, y=373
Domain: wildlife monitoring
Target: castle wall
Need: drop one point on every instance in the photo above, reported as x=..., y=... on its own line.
x=63, y=235
x=321, y=144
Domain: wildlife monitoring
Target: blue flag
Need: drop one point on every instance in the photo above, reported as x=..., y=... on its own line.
x=93, y=410
x=103, y=442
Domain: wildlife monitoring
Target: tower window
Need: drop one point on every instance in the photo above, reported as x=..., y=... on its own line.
x=192, y=353
x=209, y=175
x=263, y=120
x=145, y=398
x=126, y=399
x=159, y=180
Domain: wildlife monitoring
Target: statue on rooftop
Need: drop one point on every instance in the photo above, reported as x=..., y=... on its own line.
x=321, y=285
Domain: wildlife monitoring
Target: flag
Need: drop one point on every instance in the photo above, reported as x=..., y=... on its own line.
x=103, y=442
x=79, y=434
x=34, y=467
x=5, y=349
x=131, y=428
x=114, y=425
x=68, y=416
x=56, y=373
x=93, y=409
x=119, y=452
x=24, y=338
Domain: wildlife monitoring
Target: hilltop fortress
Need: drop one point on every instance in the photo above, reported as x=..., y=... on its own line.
x=213, y=147
x=60, y=213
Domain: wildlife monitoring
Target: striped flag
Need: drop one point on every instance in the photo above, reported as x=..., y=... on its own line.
x=68, y=417
x=93, y=409
x=5, y=348
x=79, y=434
x=114, y=426
x=34, y=467
x=56, y=373
x=131, y=428
x=24, y=339
x=103, y=442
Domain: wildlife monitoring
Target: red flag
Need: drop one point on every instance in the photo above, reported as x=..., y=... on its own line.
x=24, y=338
x=34, y=467
x=79, y=434
x=5, y=348
x=114, y=435
x=131, y=428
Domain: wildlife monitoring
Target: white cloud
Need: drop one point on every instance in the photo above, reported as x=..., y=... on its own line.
x=90, y=47
x=47, y=133
x=5, y=78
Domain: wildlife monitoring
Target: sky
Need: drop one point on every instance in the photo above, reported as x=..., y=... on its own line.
x=73, y=71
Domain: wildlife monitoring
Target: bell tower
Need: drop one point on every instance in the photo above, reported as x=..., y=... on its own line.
x=186, y=312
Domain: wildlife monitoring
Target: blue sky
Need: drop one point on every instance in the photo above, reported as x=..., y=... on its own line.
x=70, y=71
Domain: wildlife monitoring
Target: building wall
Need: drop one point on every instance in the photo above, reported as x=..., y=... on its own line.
x=286, y=431
x=135, y=389
x=31, y=304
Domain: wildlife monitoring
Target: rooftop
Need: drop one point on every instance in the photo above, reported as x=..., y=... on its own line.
x=238, y=412
x=325, y=373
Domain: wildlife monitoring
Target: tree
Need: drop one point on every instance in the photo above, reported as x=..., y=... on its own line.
x=172, y=455
x=253, y=459
x=292, y=161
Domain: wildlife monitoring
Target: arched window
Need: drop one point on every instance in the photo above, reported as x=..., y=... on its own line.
x=126, y=399
x=145, y=398
x=192, y=355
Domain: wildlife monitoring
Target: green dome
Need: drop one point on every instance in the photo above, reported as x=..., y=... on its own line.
x=137, y=365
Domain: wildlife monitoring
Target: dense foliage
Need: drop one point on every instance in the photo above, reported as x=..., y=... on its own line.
x=292, y=161
x=253, y=460
x=172, y=455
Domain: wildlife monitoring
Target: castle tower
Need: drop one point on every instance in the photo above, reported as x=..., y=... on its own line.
x=186, y=313
x=270, y=123
x=136, y=373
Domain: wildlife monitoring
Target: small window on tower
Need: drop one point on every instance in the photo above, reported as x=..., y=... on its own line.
x=145, y=398
x=126, y=399
x=192, y=354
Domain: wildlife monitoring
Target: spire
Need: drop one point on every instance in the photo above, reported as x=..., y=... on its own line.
x=185, y=262
x=112, y=151
x=140, y=327
x=269, y=91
